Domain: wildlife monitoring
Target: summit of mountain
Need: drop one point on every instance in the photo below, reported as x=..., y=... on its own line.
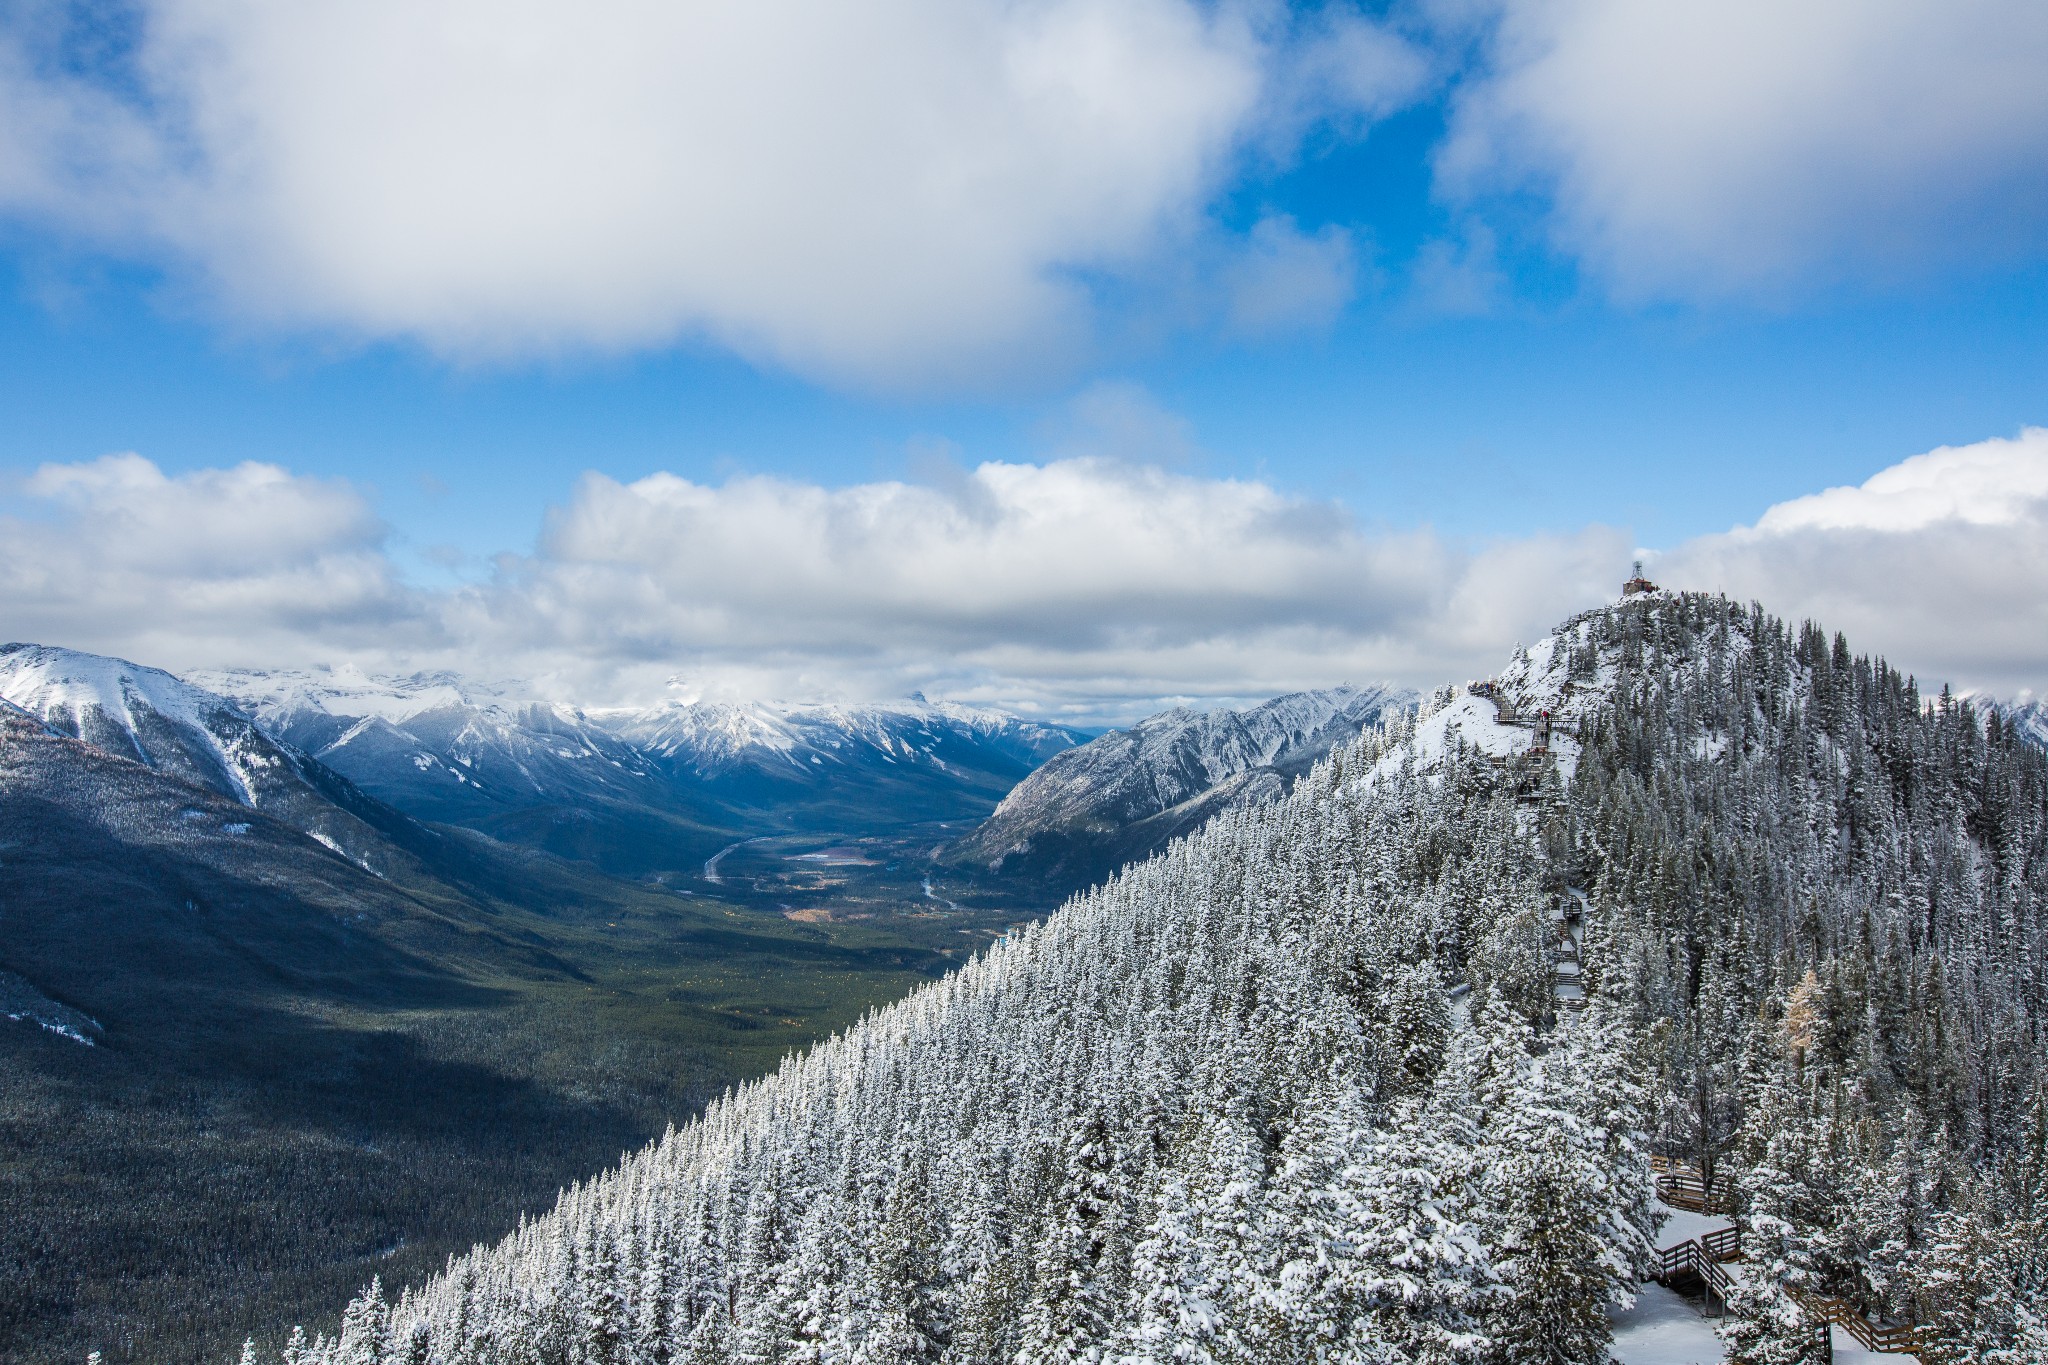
x=206, y=740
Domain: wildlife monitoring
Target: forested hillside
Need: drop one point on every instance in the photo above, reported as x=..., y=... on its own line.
x=1826, y=911
x=1300, y=1089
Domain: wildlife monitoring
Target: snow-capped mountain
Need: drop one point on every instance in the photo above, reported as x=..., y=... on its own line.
x=1120, y=796
x=780, y=741
x=145, y=714
x=2029, y=718
x=442, y=748
x=190, y=733
x=641, y=789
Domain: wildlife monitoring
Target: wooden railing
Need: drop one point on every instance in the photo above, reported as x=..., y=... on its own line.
x=1681, y=1188
x=1700, y=1258
x=1891, y=1337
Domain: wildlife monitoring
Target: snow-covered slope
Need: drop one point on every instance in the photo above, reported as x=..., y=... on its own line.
x=717, y=739
x=640, y=790
x=2029, y=718
x=437, y=736
x=144, y=714
x=1222, y=1109
x=1299, y=1088
x=200, y=737
x=1128, y=792
x=442, y=748
x=1545, y=693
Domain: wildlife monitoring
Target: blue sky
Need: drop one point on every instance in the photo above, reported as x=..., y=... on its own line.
x=1436, y=281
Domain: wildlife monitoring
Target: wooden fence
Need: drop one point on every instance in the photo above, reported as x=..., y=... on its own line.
x=1681, y=1187
x=1890, y=1337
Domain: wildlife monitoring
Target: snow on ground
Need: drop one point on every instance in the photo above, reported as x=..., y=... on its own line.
x=1682, y=1225
x=21, y=1002
x=47, y=681
x=1664, y=1329
x=1849, y=1352
x=342, y=691
x=1473, y=722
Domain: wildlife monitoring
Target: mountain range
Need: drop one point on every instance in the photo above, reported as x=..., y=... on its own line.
x=301, y=977
x=639, y=791
x=262, y=1033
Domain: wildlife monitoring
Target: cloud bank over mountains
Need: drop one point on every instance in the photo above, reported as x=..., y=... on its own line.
x=1939, y=562
x=1081, y=586
x=957, y=192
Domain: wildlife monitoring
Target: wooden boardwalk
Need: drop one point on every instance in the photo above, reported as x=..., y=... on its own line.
x=1680, y=1186
x=1698, y=1261
x=1697, y=1265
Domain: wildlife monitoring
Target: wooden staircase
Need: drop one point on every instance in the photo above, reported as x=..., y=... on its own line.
x=1567, y=971
x=1696, y=1266
x=1697, y=1262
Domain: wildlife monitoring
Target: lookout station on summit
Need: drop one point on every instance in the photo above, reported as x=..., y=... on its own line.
x=1638, y=583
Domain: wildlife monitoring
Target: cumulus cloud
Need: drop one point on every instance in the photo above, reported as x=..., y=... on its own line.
x=1939, y=562
x=1082, y=585
x=115, y=555
x=1699, y=150
x=1074, y=581
x=895, y=191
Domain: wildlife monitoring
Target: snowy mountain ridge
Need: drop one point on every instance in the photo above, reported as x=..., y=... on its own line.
x=710, y=737
x=151, y=717
x=706, y=738
x=1127, y=792
x=2028, y=716
x=141, y=713
x=638, y=791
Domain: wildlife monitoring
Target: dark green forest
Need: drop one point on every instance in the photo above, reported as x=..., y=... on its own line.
x=307, y=1075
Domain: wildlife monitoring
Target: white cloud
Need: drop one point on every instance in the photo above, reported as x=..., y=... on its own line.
x=896, y=191
x=1285, y=279
x=1939, y=562
x=1697, y=150
x=1082, y=585
x=1992, y=483
x=237, y=563
x=1067, y=582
